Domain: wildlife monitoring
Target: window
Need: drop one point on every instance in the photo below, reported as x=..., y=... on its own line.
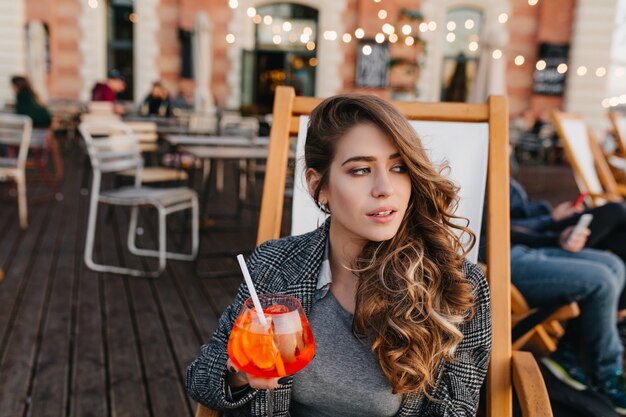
x=462, y=29
x=284, y=54
x=120, y=51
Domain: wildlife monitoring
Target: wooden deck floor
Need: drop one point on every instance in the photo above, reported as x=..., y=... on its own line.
x=78, y=343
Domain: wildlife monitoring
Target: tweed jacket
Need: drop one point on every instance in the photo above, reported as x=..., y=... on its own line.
x=291, y=266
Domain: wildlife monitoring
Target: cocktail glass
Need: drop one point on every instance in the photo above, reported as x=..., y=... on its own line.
x=283, y=347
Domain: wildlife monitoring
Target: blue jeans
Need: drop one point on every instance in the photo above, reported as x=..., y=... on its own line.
x=593, y=278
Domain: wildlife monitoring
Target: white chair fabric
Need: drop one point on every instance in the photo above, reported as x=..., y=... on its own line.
x=577, y=136
x=119, y=151
x=16, y=131
x=467, y=169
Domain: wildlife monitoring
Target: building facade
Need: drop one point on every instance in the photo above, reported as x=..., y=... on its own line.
x=429, y=49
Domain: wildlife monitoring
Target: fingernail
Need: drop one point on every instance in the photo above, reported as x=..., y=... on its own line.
x=232, y=369
x=283, y=380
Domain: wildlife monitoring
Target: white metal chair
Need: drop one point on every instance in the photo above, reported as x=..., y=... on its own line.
x=146, y=134
x=117, y=152
x=15, y=130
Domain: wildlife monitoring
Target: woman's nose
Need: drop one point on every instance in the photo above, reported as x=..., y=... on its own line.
x=382, y=186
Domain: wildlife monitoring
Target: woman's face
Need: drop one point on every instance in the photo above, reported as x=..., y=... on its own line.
x=368, y=187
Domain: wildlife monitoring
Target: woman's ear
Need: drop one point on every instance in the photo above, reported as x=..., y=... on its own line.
x=313, y=179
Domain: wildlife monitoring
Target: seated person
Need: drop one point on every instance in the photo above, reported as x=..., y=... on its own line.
x=157, y=103
x=108, y=90
x=544, y=225
x=550, y=270
x=28, y=103
x=401, y=321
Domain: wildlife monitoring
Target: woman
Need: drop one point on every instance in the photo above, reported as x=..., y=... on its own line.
x=401, y=320
x=28, y=104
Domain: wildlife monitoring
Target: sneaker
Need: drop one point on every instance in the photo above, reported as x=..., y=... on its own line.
x=615, y=390
x=571, y=374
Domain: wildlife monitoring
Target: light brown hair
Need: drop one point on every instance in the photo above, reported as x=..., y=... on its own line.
x=412, y=295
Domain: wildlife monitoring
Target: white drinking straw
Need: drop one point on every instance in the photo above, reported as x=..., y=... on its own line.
x=255, y=297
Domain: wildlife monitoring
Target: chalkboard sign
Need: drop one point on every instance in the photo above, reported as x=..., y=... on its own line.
x=548, y=81
x=371, y=69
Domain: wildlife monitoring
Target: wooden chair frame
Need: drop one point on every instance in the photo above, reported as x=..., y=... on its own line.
x=613, y=191
x=507, y=369
x=620, y=136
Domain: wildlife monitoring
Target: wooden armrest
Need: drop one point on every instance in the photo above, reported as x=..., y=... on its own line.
x=568, y=311
x=202, y=411
x=529, y=386
x=606, y=196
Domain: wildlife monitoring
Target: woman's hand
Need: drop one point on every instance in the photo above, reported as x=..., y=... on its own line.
x=576, y=243
x=565, y=210
x=237, y=378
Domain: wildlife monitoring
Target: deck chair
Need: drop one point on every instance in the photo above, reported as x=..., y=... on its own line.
x=508, y=369
x=15, y=131
x=118, y=151
x=591, y=170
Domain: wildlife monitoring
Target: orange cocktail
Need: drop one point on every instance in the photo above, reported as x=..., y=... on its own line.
x=281, y=348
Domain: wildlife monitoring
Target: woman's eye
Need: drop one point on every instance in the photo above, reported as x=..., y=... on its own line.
x=399, y=168
x=360, y=171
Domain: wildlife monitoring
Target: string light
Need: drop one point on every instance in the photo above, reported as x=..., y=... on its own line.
x=359, y=33
x=562, y=68
x=432, y=25
x=473, y=46
x=451, y=26
x=257, y=19
x=251, y=11
x=93, y=4
x=367, y=50
x=469, y=24
x=267, y=20
x=409, y=41
x=277, y=39
x=330, y=35
x=230, y=38
x=503, y=17
x=450, y=37
x=519, y=60
x=532, y=2
x=233, y=4
x=600, y=72
x=393, y=38
x=304, y=38
x=380, y=38
x=496, y=54
x=382, y=14
x=541, y=65
x=423, y=27
x=287, y=26
x=310, y=45
x=388, y=29
x=582, y=70
x=346, y=37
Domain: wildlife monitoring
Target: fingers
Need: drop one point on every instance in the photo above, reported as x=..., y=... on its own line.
x=253, y=381
x=263, y=383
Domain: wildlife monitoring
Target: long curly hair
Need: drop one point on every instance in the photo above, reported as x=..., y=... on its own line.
x=412, y=295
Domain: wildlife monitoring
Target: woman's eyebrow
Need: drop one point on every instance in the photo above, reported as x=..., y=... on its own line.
x=369, y=158
x=359, y=158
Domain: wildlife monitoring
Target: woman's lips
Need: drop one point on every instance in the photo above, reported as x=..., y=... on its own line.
x=382, y=216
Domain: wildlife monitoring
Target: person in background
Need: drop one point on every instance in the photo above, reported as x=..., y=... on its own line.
x=550, y=269
x=401, y=320
x=157, y=103
x=108, y=90
x=184, y=99
x=543, y=225
x=28, y=103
